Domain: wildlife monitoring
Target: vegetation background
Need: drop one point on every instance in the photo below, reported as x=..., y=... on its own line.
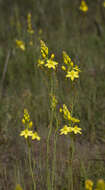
x=82, y=36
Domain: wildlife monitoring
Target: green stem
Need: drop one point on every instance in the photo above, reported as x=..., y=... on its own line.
x=71, y=156
x=30, y=164
x=48, y=143
x=54, y=155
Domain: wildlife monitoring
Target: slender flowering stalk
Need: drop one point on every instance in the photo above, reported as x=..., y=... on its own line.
x=72, y=71
x=45, y=61
x=29, y=24
x=48, y=64
x=29, y=133
x=54, y=103
x=71, y=129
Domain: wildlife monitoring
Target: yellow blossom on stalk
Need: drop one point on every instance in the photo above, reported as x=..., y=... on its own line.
x=26, y=133
x=44, y=49
x=20, y=44
x=76, y=130
x=72, y=74
x=74, y=120
x=100, y=185
x=88, y=184
x=71, y=63
x=29, y=25
x=71, y=120
x=46, y=61
x=18, y=187
x=35, y=136
x=60, y=110
x=65, y=130
x=52, y=56
x=30, y=124
x=83, y=6
x=63, y=68
x=66, y=58
x=26, y=119
x=23, y=121
x=40, y=63
x=67, y=114
x=51, y=64
x=77, y=68
x=72, y=71
x=26, y=115
x=53, y=102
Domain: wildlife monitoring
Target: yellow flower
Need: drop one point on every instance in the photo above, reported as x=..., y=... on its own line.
x=29, y=30
x=51, y=64
x=44, y=49
x=65, y=130
x=66, y=58
x=66, y=112
x=53, y=102
x=76, y=130
x=26, y=133
x=60, y=110
x=18, y=187
x=77, y=68
x=30, y=124
x=35, y=136
x=74, y=120
x=63, y=68
x=52, y=56
x=101, y=184
x=83, y=6
x=72, y=74
x=88, y=184
x=71, y=63
x=20, y=44
x=40, y=63
x=23, y=121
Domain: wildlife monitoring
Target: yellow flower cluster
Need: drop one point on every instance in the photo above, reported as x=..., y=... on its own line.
x=88, y=184
x=43, y=49
x=83, y=6
x=18, y=187
x=29, y=25
x=99, y=186
x=53, y=102
x=72, y=71
x=45, y=61
x=67, y=114
x=67, y=129
x=28, y=124
x=20, y=44
x=71, y=120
